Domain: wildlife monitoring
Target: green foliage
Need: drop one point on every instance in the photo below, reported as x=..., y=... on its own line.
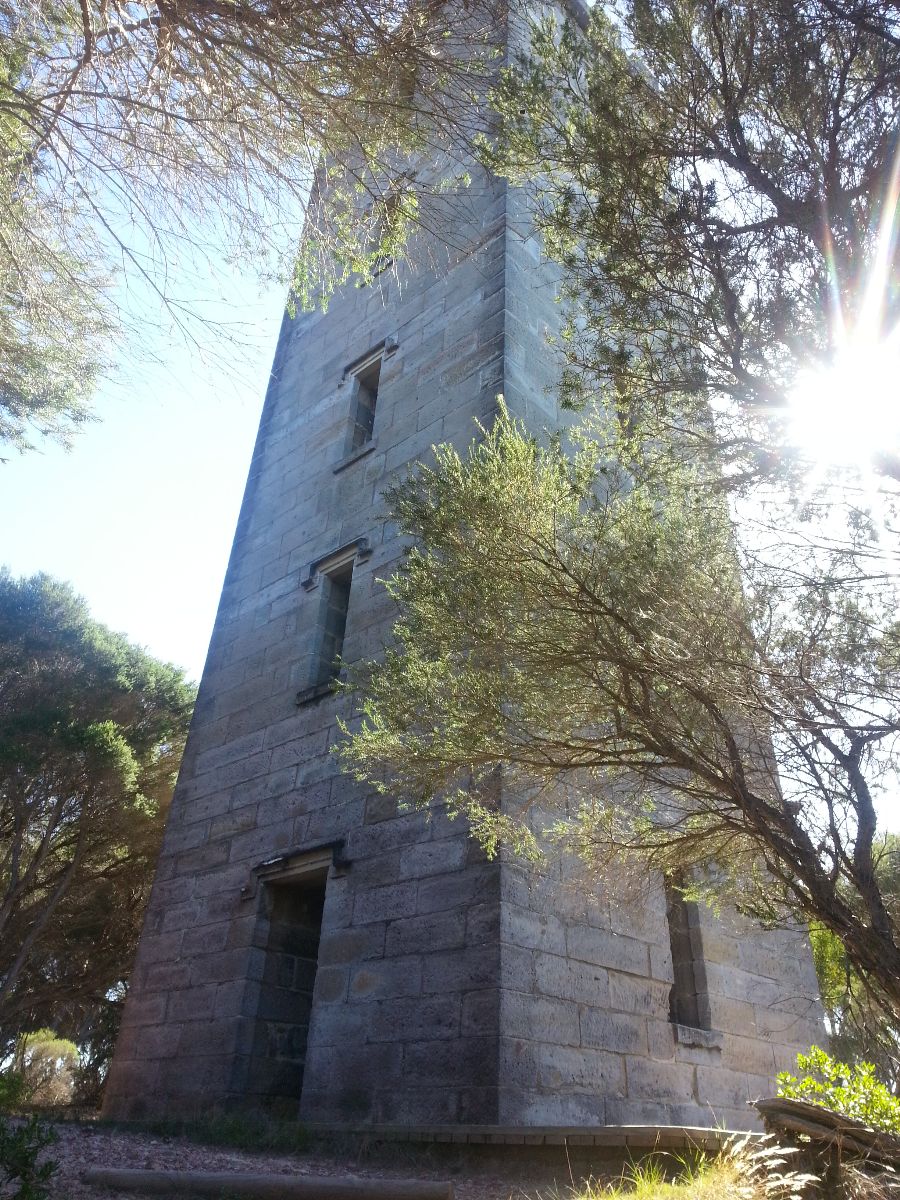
x=584, y=659
x=853, y=1091
x=91, y=734
x=710, y=177
x=244, y=110
x=12, y=1091
x=860, y=1026
x=598, y=629
x=97, y=1032
x=21, y=1145
x=46, y=1063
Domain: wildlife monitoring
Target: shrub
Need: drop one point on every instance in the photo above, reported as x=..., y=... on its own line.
x=47, y=1064
x=853, y=1091
x=21, y=1143
x=12, y=1091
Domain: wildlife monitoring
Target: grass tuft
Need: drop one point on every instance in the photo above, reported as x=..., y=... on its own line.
x=747, y=1169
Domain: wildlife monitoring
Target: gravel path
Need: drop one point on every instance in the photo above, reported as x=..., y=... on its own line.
x=80, y=1146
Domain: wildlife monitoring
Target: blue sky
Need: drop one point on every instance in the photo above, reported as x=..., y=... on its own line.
x=140, y=513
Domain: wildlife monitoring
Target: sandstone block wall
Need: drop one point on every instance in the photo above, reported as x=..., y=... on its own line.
x=447, y=989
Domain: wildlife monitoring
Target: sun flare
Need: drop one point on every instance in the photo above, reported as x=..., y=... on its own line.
x=847, y=413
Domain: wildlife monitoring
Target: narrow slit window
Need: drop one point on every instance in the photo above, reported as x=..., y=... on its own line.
x=688, y=999
x=364, y=398
x=335, y=602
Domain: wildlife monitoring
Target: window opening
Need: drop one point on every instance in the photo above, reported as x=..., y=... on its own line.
x=688, y=998
x=335, y=601
x=364, y=397
x=329, y=581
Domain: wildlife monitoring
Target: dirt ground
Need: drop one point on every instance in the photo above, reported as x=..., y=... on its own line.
x=80, y=1146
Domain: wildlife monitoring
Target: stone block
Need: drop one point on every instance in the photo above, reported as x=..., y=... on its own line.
x=517, y=969
x=344, y=946
x=628, y=993
x=461, y=889
x=538, y=931
x=661, y=1039
x=570, y=980
x=206, y=1038
x=428, y=1018
x=384, y=903
x=332, y=984
x=718, y=1086
x=521, y=1107
x=733, y=1016
x=749, y=1054
x=447, y=1062
x=167, y=976
x=618, y=1033
x=231, y=998
x=481, y=1013
x=413, y=1105
x=158, y=947
x=342, y=1025
x=642, y=916
x=389, y=977
x=564, y=1069
x=192, y=1004
x=232, y=751
x=665, y=1081
x=461, y=970
x=539, y=1018
x=433, y=858
x=483, y=923
x=205, y=939
x=429, y=934
x=148, y=1009
x=606, y=948
x=158, y=1041
x=204, y=858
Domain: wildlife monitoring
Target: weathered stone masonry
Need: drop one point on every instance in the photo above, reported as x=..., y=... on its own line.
x=307, y=946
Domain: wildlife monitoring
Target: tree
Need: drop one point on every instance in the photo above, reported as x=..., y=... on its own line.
x=91, y=734
x=858, y=1028
x=46, y=1064
x=693, y=640
x=711, y=176
x=132, y=136
x=582, y=624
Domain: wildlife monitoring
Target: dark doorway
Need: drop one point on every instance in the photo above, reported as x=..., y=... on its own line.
x=294, y=911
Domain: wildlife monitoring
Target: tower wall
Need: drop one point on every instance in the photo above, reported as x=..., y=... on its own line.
x=447, y=989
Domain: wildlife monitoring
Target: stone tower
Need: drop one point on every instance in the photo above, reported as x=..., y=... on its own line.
x=309, y=948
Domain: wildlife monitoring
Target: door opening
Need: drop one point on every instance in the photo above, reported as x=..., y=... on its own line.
x=294, y=910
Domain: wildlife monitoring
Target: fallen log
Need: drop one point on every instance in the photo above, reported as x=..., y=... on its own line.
x=827, y=1128
x=260, y=1186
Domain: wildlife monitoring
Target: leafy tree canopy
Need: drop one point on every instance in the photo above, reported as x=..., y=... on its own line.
x=712, y=178
x=91, y=734
x=135, y=135
x=858, y=1028
x=581, y=632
